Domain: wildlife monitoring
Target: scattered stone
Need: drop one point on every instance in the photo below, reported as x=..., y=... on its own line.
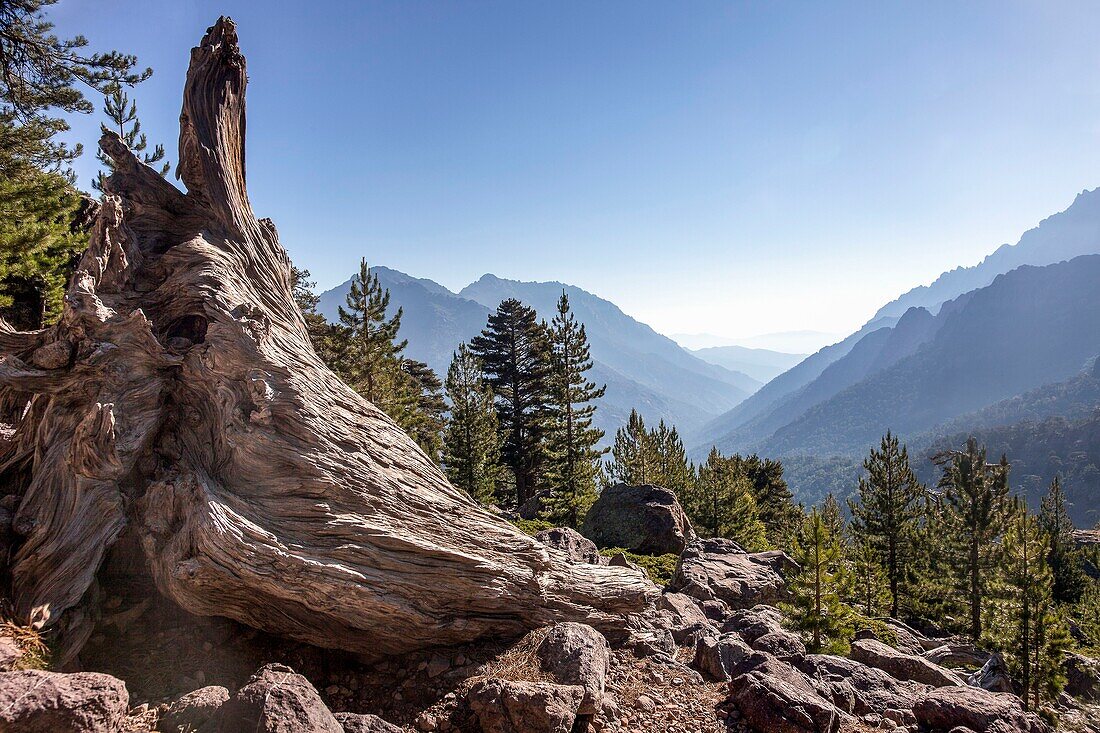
x=643, y=519
x=192, y=710
x=437, y=665
x=576, y=654
x=903, y=666
x=34, y=701
x=276, y=700
x=576, y=546
x=503, y=706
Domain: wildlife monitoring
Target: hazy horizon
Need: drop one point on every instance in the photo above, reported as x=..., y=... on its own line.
x=738, y=170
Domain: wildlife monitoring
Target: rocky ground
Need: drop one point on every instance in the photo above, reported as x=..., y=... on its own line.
x=710, y=656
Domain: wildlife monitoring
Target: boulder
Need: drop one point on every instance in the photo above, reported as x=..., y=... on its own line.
x=34, y=701
x=576, y=654
x=861, y=690
x=643, y=519
x=957, y=653
x=944, y=708
x=191, y=711
x=773, y=696
x=573, y=544
x=503, y=706
x=717, y=569
x=681, y=615
x=717, y=657
x=356, y=723
x=752, y=623
x=1082, y=676
x=276, y=700
x=903, y=666
x=780, y=644
x=993, y=676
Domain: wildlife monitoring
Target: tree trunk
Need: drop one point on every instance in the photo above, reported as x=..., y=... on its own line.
x=179, y=399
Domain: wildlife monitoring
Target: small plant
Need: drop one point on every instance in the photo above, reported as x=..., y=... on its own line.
x=532, y=526
x=659, y=568
x=36, y=654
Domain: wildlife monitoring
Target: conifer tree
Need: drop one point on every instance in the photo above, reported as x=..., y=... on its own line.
x=889, y=508
x=975, y=500
x=817, y=589
x=870, y=588
x=1064, y=559
x=933, y=591
x=514, y=352
x=420, y=406
x=471, y=444
x=670, y=467
x=574, y=458
x=327, y=338
x=1035, y=638
x=774, y=503
x=121, y=111
x=370, y=356
x=833, y=516
x=633, y=456
x=721, y=503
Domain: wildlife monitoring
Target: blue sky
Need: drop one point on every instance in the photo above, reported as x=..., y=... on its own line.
x=728, y=168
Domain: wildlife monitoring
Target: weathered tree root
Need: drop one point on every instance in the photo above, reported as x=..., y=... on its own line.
x=179, y=398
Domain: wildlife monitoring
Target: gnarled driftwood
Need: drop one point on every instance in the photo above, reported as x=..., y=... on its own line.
x=179, y=398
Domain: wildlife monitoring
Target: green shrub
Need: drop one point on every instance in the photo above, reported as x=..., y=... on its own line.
x=532, y=526
x=659, y=568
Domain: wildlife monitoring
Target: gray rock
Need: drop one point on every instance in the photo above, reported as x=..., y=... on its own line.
x=576, y=654
x=33, y=701
x=861, y=690
x=752, y=623
x=573, y=544
x=993, y=676
x=191, y=711
x=944, y=708
x=780, y=644
x=356, y=723
x=773, y=696
x=717, y=569
x=903, y=666
x=503, y=706
x=957, y=653
x=1082, y=677
x=717, y=657
x=643, y=519
x=681, y=615
x=276, y=700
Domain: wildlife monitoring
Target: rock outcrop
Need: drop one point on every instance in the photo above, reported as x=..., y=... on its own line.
x=943, y=709
x=503, y=706
x=643, y=519
x=719, y=570
x=903, y=666
x=276, y=700
x=33, y=701
x=193, y=710
x=572, y=544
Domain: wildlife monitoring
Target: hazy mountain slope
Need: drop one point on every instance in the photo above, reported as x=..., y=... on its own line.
x=1061, y=236
x=626, y=345
x=435, y=320
x=731, y=430
x=1032, y=326
x=761, y=364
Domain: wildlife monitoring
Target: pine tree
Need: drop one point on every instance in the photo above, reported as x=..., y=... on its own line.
x=833, y=516
x=121, y=111
x=929, y=576
x=870, y=587
x=1035, y=638
x=40, y=242
x=1064, y=560
x=633, y=456
x=722, y=505
x=670, y=467
x=890, y=506
x=420, y=406
x=370, y=357
x=514, y=352
x=41, y=74
x=976, y=509
x=471, y=445
x=774, y=503
x=574, y=458
x=817, y=589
